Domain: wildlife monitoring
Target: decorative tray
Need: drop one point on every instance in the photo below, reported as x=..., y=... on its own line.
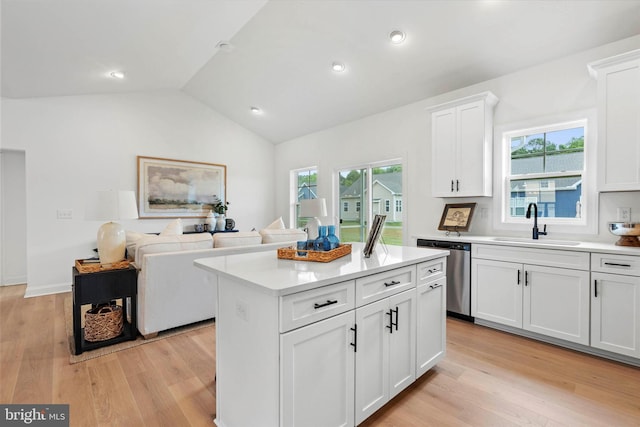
x=316, y=256
x=90, y=266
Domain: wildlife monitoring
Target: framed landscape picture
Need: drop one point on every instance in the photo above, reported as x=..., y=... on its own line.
x=176, y=188
x=457, y=217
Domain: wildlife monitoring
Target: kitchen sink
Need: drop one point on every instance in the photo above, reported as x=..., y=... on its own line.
x=541, y=241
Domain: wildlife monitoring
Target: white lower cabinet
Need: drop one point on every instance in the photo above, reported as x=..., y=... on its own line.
x=615, y=304
x=385, y=356
x=546, y=300
x=431, y=324
x=317, y=369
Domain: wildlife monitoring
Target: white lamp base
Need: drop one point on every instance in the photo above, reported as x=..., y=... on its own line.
x=312, y=228
x=111, y=243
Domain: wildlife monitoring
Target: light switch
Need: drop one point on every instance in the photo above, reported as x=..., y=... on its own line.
x=65, y=213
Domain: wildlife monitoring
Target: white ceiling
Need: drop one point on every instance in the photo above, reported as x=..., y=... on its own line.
x=283, y=50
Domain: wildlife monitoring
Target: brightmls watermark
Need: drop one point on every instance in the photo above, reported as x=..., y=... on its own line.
x=34, y=415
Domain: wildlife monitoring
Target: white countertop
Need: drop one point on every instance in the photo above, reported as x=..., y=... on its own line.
x=544, y=242
x=282, y=277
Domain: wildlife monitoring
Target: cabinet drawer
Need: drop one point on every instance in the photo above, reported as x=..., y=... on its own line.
x=549, y=257
x=617, y=264
x=431, y=270
x=303, y=308
x=377, y=286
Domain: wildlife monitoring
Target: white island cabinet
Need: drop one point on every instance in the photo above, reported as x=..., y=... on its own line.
x=308, y=344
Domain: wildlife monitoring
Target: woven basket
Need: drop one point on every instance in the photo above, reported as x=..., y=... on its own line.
x=103, y=323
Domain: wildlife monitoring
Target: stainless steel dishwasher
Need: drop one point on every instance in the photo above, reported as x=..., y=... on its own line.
x=458, y=276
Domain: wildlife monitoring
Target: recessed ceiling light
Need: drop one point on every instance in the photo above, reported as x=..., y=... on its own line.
x=397, y=36
x=338, y=67
x=256, y=110
x=116, y=75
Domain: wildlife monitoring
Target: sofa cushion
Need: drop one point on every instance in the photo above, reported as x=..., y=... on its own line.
x=278, y=224
x=132, y=238
x=174, y=228
x=183, y=242
x=241, y=238
x=270, y=235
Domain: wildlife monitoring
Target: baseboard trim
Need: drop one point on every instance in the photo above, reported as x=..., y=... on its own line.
x=55, y=288
x=561, y=343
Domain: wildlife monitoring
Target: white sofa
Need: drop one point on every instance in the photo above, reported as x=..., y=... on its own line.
x=171, y=291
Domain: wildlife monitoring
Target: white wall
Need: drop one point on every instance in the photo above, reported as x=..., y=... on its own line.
x=557, y=87
x=76, y=145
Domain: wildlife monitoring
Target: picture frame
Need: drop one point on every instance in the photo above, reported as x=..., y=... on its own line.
x=374, y=234
x=169, y=188
x=457, y=217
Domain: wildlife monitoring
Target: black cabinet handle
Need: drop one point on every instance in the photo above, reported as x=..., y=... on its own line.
x=519, y=276
x=390, y=325
x=457, y=185
x=452, y=186
x=354, y=344
x=396, y=324
x=595, y=287
x=329, y=302
x=437, y=285
x=526, y=278
x=617, y=264
x=392, y=283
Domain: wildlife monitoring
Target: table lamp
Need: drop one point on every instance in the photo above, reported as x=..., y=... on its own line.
x=113, y=205
x=313, y=208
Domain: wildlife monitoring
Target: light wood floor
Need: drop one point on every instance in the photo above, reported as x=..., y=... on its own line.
x=488, y=378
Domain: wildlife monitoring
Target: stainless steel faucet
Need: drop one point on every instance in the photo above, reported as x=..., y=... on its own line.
x=536, y=233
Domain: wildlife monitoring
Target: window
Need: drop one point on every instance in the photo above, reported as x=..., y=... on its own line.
x=371, y=189
x=304, y=186
x=547, y=164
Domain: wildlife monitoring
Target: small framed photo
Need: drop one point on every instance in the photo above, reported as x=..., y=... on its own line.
x=374, y=234
x=457, y=217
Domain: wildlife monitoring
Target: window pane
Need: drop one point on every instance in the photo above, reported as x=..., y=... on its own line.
x=555, y=151
x=555, y=197
x=353, y=192
x=307, y=188
x=387, y=185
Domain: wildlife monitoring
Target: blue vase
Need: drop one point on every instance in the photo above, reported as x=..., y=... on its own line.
x=322, y=242
x=334, y=242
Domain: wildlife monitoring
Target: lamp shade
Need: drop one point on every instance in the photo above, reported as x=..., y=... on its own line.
x=311, y=208
x=113, y=205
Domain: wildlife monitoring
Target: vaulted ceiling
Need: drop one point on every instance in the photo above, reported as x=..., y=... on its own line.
x=278, y=54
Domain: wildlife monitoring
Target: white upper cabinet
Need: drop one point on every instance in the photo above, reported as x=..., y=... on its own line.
x=618, y=121
x=462, y=139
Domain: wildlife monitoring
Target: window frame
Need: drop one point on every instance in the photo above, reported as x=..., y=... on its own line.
x=588, y=222
x=294, y=190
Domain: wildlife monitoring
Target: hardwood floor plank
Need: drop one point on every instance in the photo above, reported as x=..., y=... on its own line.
x=488, y=378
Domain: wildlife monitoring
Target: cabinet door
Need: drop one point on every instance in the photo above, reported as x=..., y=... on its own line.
x=443, y=152
x=372, y=358
x=615, y=313
x=556, y=303
x=618, y=131
x=496, y=287
x=402, y=342
x=431, y=324
x=471, y=152
x=317, y=373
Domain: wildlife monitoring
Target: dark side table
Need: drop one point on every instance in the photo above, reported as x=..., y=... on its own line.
x=104, y=287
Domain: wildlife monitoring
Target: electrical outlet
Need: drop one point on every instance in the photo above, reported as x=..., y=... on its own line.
x=65, y=213
x=624, y=214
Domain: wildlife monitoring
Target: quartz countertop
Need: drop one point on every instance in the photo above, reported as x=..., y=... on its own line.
x=282, y=277
x=544, y=242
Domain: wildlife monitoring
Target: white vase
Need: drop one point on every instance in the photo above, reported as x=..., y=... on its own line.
x=220, y=223
x=210, y=221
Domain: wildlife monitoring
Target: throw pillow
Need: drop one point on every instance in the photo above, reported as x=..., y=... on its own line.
x=278, y=224
x=174, y=228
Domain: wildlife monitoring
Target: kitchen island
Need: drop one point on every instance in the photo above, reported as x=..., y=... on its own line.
x=306, y=344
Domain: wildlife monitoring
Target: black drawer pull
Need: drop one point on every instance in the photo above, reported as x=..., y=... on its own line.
x=329, y=302
x=618, y=265
x=392, y=283
x=437, y=285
